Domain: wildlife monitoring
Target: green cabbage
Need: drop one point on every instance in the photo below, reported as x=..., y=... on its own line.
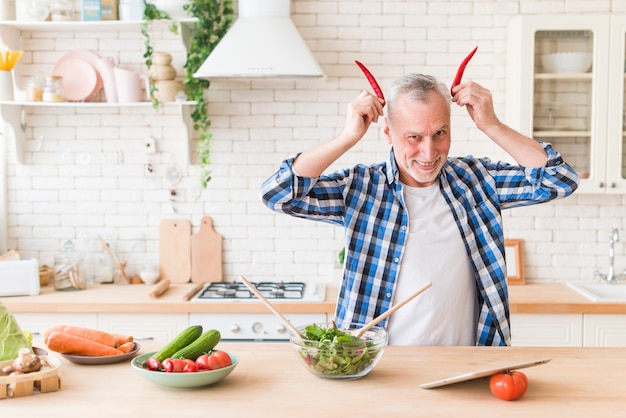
x=11, y=336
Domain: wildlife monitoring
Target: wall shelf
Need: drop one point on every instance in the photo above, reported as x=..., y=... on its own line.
x=11, y=113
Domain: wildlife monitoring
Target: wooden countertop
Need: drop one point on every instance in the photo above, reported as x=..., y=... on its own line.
x=530, y=298
x=269, y=382
x=557, y=298
x=136, y=299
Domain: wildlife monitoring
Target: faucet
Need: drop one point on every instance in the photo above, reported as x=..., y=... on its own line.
x=611, y=277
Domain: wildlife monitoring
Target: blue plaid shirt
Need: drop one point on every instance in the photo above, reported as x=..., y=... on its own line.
x=368, y=202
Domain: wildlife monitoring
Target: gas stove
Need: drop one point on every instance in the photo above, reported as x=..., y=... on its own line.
x=257, y=327
x=276, y=291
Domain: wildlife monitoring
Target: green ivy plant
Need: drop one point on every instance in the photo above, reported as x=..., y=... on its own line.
x=213, y=19
x=150, y=13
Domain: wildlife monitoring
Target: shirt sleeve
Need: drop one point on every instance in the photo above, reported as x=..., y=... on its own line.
x=521, y=186
x=317, y=198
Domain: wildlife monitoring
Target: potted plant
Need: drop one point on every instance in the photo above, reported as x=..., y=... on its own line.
x=212, y=19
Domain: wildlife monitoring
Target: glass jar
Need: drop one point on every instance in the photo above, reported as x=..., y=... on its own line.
x=53, y=89
x=34, y=90
x=69, y=271
x=62, y=10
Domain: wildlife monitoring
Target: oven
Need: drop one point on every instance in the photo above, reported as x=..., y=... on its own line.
x=257, y=327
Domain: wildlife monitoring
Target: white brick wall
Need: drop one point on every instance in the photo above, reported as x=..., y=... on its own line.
x=88, y=176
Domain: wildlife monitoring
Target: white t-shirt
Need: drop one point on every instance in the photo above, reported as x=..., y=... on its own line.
x=447, y=312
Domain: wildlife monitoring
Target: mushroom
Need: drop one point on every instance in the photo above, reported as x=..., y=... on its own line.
x=26, y=362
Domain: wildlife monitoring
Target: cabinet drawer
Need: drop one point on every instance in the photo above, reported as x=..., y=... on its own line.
x=155, y=327
x=558, y=330
x=605, y=330
x=37, y=323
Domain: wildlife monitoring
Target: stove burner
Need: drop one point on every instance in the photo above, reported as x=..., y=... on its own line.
x=237, y=290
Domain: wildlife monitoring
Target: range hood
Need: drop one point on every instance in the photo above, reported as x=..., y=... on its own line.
x=263, y=42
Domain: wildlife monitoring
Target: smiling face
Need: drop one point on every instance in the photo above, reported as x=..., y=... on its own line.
x=419, y=132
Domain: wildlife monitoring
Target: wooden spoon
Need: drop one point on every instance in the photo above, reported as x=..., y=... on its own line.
x=262, y=298
x=391, y=310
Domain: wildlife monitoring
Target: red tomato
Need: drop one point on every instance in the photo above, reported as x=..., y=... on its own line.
x=173, y=365
x=508, y=385
x=203, y=362
x=214, y=360
x=190, y=366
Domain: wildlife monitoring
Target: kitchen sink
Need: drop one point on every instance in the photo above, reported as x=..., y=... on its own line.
x=601, y=292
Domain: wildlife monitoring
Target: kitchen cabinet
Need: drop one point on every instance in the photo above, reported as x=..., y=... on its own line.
x=554, y=330
x=581, y=113
x=155, y=327
x=37, y=323
x=13, y=113
x=604, y=330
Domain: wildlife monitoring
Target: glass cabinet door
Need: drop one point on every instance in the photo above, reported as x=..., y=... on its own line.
x=616, y=147
x=563, y=93
x=565, y=86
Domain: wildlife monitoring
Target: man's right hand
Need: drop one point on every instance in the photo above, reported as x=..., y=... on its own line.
x=362, y=111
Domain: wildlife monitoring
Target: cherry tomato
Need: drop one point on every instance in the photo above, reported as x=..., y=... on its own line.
x=190, y=366
x=508, y=385
x=153, y=364
x=203, y=362
x=214, y=360
x=174, y=365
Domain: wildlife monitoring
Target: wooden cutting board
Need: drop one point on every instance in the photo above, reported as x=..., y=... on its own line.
x=206, y=253
x=175, y=250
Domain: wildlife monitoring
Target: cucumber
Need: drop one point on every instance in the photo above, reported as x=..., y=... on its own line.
x=203, y=344
x=189, y=335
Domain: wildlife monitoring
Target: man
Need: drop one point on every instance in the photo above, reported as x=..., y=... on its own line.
x=422, y=216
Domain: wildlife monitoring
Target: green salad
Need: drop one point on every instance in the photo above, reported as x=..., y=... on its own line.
x=333, y=352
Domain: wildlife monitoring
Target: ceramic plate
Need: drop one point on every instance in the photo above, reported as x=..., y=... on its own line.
x=182, y=380
x=89, y=57
x=96, y=360
x=80, y=79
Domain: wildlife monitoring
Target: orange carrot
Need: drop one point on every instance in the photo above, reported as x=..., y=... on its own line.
x=65, y=343
x=88, y=333
x=127, y=347
x=122, y=339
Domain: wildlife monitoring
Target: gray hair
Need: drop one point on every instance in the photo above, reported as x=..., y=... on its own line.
x=415, y=87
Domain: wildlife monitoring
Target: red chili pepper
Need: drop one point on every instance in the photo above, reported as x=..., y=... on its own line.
x=371, y=80
x=459, y=73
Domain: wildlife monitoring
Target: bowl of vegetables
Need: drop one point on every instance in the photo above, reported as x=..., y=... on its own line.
x=333, y=351
x=190, y=360
x=197, y=375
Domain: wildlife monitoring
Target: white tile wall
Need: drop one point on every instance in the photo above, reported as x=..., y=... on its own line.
x=88, y=175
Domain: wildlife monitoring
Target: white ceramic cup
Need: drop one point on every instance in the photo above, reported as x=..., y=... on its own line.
x=105, y=67
x=130, y=86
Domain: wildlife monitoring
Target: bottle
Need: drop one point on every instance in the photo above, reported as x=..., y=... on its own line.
x=69, y=271
x=53, y=89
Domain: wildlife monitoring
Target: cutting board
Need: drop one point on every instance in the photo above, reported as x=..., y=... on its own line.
x=206, y=253
x=175, y=250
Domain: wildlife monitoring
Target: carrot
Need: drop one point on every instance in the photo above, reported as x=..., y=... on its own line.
x=122, y=339
x=65, y=343
x=127, y=347
x=87, y=333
